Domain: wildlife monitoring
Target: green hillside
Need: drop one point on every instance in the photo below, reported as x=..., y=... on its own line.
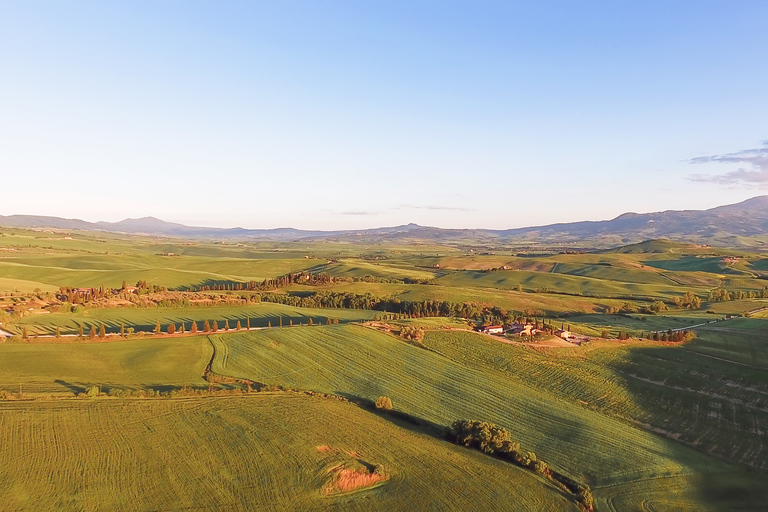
x=261, y=315
x=255, y=452
x=358, y=362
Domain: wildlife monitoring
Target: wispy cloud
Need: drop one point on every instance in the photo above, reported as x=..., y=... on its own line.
x=359, y=212
x=755, y=173
x=435, y=207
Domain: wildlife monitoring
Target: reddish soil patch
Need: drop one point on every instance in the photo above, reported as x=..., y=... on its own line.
x=347, y=480
x=324, y=448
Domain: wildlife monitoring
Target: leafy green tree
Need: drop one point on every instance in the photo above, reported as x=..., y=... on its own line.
x=384, y=403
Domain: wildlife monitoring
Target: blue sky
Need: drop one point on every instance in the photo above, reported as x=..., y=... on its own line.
x=362, y=114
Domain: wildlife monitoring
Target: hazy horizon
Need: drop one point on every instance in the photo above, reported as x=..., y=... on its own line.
x=371, y=227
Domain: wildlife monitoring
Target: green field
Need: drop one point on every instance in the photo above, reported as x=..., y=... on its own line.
x=563, y=283
x=261, y=315
x=648, y=426
x=742, y=340
x=254, y=452
x=157, y=364
x=537, y=303
x=361, y=363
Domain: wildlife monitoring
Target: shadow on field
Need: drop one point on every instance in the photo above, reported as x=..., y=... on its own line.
x=713, y=406
x=149, y=389
x=400, y=418
x=74, y=388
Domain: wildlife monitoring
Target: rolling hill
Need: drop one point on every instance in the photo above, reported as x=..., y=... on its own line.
x=735, y=225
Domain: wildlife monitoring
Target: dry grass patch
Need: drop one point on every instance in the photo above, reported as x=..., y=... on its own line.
x=350, y=477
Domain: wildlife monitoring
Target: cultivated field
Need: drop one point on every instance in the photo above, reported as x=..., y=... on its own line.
x=648, y=425
x=360, y=363
x=256, y=452
x=145, y=320
x=66, y=368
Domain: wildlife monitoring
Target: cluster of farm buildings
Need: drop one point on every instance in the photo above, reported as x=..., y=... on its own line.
x=529, y=330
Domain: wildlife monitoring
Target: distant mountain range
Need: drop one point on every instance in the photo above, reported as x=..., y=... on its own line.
x=741, y=224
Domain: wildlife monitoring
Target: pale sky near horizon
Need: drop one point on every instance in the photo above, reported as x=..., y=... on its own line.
x=333, y=115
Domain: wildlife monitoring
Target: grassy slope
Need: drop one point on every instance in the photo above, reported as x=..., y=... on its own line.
x=242, y=453
x=146, y=319
x=743, y=340
x=508, y=299
x=360, y=362
x=138, y=364
x=565, y=283
x=111, y=271
x=710, y=404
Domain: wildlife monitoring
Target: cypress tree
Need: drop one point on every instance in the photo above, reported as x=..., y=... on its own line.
x=81, y=331
x=92, y=334
x=102, y=332
x=237, y=327
x=158, y=329
x=58, y=331
x=206, y=326
x=193, y=327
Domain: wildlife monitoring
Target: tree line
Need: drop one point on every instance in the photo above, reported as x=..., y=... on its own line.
x=497, y=441
x=348, y=300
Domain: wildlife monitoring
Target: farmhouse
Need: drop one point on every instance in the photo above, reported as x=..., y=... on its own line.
x=492, y=329
x=566, y=335
x=518, y=329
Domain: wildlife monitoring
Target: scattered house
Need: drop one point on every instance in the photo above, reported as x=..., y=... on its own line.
x=436, y=265
x=729, y=260
x=492, y=329
x=518, y=329
x=566, y=335
x=505, y=267
x=131, y=289
x=84, y=291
